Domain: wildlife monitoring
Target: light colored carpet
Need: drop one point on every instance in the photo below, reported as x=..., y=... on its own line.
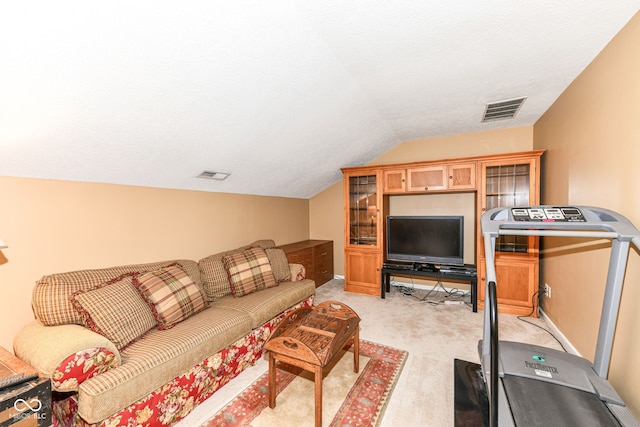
x=433, y=335
x=335, y=388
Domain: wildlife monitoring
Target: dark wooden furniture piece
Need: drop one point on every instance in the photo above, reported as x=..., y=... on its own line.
x=309, y=338
x=315, y=255
x=27, y=404
x=460, y=277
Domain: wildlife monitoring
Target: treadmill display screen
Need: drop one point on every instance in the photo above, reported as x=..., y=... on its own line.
x=548, y=214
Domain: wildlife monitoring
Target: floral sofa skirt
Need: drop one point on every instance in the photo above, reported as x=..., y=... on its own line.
x=174, y=400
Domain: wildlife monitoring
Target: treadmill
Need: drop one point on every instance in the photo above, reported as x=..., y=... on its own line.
x=539, y=386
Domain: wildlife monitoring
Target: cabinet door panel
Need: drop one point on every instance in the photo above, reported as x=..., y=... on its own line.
x=363, y=272
x=462, y=176
x=427, y=178
x=394, y=181
x=363, y=215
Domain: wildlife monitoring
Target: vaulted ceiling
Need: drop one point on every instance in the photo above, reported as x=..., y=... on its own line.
x=280, y=94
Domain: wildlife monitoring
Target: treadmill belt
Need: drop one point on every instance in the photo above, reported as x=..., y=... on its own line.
x=538, y=403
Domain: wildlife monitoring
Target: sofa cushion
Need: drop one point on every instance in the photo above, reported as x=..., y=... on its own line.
x=158, y=357
x=279, y=264
x=115, y=310
x=264, y=305
x=51, y=300
x=249, y=271
x=215, y=279
x=171, y=294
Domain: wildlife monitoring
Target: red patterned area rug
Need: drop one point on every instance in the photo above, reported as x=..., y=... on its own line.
x=349, y=399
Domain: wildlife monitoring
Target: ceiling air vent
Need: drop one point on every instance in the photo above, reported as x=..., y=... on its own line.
x=218, y=176
x=502, y=110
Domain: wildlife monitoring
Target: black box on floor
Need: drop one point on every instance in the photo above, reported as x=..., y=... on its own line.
x=28, y=404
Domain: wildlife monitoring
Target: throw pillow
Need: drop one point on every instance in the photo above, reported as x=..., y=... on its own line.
x=249, y=271
x=115, y=310
x=279, y=264
x=171, y=294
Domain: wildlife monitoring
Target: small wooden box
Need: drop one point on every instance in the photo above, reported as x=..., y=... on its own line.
x=27, y=404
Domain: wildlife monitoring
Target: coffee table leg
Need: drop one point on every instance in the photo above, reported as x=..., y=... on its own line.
x=272, y=381
x=318, y=384
x=356, y=350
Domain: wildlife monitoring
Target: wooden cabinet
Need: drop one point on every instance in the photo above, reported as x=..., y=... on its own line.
x=505, y=182
x=496, y=180
x=364, y=219
x=315, y=255
x=431, y=177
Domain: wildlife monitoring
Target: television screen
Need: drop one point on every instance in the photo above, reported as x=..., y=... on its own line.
x=425, y=239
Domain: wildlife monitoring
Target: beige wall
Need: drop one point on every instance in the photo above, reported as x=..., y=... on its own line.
x=326, y=208
x=592, y=138
x=55, y=226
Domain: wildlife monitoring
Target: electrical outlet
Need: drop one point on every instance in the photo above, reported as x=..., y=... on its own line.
x=547, y=290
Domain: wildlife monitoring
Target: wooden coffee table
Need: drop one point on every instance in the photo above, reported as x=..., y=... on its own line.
x=309, y=338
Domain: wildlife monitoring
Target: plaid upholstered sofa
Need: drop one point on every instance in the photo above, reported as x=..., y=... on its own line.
x=144, y=344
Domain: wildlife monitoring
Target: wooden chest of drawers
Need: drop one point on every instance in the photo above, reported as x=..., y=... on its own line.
x=315, y=255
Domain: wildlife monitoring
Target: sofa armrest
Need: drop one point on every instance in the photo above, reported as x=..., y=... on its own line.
x=298, y=272
x=68, y=354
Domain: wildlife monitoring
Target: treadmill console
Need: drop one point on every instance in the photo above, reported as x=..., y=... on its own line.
x=548, y=214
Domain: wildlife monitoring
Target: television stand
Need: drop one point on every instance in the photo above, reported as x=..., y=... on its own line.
x=468, y=274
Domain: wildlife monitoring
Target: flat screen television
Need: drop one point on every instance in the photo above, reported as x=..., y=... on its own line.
x=425, y=239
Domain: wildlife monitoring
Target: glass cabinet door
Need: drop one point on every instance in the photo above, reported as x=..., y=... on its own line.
x=363, y=210
x=507, y=186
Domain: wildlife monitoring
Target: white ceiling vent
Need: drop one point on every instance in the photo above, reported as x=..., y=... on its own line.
x=218, y=176
x=502, y=110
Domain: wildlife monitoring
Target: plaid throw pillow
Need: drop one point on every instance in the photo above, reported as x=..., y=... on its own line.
x=279, y=264
x=171, y=294
x=249, y=271
x=115, y=310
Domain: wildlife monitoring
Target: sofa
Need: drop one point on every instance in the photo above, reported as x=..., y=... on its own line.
x=145, y=344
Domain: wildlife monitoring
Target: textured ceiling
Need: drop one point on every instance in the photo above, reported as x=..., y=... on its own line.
x=281, y=94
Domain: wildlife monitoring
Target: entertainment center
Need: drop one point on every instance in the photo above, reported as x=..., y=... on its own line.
x=501, y=180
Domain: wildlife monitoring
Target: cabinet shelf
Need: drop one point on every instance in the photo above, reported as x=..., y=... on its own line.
x=495, y=176
x=509, y=194
x=369, y=241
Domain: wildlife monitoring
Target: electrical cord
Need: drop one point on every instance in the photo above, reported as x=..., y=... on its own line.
x=453, y=294
x=535, y=307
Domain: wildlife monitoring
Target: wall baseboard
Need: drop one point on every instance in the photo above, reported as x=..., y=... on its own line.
x=558, y=334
